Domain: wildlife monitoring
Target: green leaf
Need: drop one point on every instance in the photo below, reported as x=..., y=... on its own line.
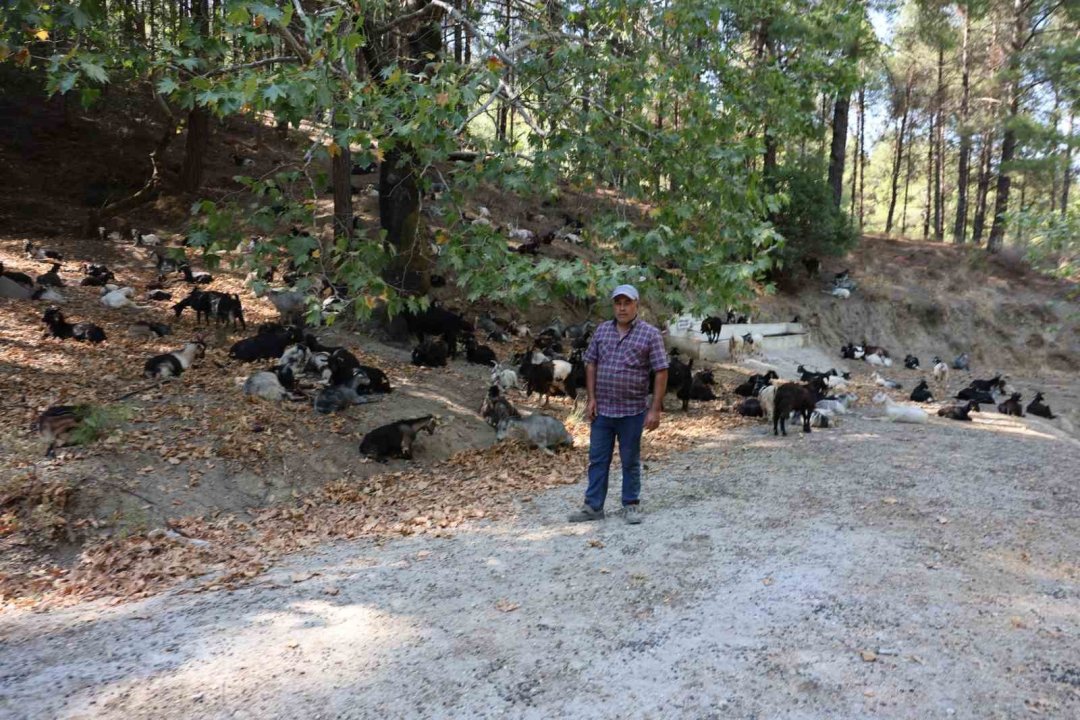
x=167, y=86
x=93, y=71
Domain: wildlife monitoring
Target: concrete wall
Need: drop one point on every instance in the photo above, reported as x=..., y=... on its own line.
x=684, y=334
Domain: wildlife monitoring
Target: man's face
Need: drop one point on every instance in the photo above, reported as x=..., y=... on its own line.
x=625, y=309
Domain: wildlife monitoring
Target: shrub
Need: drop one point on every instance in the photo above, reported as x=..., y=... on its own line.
x=812, y=226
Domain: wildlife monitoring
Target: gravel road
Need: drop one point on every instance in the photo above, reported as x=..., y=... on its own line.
x=871, y=570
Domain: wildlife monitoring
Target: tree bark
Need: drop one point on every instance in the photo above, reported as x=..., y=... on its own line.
x=839, y=146
x=982, y=190
x=963, y=171
x=928, y=211
x=341, y=174
x=1066, y=179
x=898, y=158
x=1008, y=143
x=939, y=150
x=198, y=122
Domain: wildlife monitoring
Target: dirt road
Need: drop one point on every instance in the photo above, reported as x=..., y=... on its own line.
x=875, y=569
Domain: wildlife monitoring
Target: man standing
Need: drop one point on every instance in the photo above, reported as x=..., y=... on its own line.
x=617, y=364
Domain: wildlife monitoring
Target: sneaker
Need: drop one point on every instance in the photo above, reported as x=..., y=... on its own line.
x=632, y=514
x=585, y=514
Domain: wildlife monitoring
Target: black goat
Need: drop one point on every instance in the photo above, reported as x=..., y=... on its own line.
x=681, y=376
x=38, y=253
x=538, y=377
x=395, y=439
x=51, y=278
x=16, y=277
x=58, y=327
x=430, y=353
x=712, y=326
x=791, y=397
x=911, y=362
x=997, y=382
x=922, y=393
x=479, y=354
x=958, y=412
x=979, y=396
x=1040, y=409
x=1012, y=406
x=750, y=407
x=755, y=383
x=701, y=388
x=438, y=321
x=199, y=277
x=268, y=344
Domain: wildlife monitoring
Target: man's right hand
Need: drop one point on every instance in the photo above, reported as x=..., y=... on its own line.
x=590, y=409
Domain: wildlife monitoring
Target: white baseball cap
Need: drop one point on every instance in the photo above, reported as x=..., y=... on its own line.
x=628, y=290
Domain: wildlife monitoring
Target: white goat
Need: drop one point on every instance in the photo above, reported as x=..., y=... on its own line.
x=504, y=376
x=886, y=382
x=901, y=413
x=941, y=371
x=118, y=298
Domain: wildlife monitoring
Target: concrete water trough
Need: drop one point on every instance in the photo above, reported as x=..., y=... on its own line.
x=684, y=334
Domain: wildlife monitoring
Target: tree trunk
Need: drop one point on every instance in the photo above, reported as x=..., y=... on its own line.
x=1008, y=143
x=963, y=171
x=839, y=146
x=899, y=157
x=855, y=164
x=982, y=190
x=928, y=211
x=1066, y=179
x=861, y=158
x=907, y=188
x=939, y=151
x=198, y=123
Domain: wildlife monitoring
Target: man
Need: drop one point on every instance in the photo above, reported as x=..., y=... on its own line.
x=617, y=364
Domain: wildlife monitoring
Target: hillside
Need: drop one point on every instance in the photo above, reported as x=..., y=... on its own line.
x=197, y=460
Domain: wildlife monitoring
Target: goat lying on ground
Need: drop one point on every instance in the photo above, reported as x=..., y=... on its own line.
x=922, y=393
x=58, y=424
x=496, y=407
x=901, y=413
x=958, y=412
x=172, y=365
x=58, y=327
x=1012, y=406
x=395, y=439
x=542, y=431
x=1039, y=408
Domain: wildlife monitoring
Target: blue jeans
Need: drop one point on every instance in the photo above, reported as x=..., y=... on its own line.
x=601, y=445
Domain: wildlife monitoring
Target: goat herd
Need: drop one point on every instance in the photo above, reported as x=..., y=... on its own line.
x=302, y=368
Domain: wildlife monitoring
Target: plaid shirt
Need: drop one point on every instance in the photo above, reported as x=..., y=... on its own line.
x=623, y=365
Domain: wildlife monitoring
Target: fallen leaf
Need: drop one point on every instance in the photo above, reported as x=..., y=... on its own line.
x=506, y=606
x=868, y=655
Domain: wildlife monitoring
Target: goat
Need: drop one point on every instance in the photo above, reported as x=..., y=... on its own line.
x=290, y=304
x=196, y=277
x=750, y=407
x=838, y=405
x=58, y=327
x=269, y=386
x=496, y=407
x=48, y=294
x=958, y=412
x=911, y=362
x=754, y=384
x=576, y=380
x=995, y=383
x=681, y=376
x=979, y=396
x=479, y=354
x=538, y=377
x=941, y=371
x=701, y=388
x=1012, y=406
x=39, y=253
x=227, y=308
x=1039, y=408
x=886, y=382
x=504, y=377
x=767, y=398
x=430, y=353
x=438, y=321
x=172, y=365
x=396, y=439
x=143, y=330
x=270, y=342
x=922, y=393
x=16, y=277
x=58, y=424
x=840, y=293
x=962, y=362
x=96, y=275
x=542, y=431
x=711, y=327
x=51, y=278
x=792, y=397
x=157, y=295
x=339, y=396
x=581, y=331
x=901, y=413
x=118, y=298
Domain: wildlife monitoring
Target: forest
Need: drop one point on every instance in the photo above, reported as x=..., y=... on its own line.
x=743, y=140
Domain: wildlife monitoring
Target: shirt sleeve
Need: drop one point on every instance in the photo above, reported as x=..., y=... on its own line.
x=658, y=357
x=592, y=354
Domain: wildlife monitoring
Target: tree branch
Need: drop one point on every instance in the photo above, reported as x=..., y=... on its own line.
x=255, y=64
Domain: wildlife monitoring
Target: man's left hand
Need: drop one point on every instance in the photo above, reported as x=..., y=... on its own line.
x=652, y=419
